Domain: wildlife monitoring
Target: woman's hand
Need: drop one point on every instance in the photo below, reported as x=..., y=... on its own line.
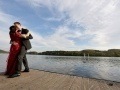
x=23, y=35
x=14, y=43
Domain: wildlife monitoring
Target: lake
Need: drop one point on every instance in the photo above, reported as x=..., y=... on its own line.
x=107, y=68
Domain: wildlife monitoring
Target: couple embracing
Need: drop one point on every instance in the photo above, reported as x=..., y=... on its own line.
x=19, y=45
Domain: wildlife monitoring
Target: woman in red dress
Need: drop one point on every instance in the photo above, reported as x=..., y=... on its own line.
x=15, y=36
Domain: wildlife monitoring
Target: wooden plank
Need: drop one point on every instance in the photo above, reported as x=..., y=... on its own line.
x=64, y=84
x=41, y=83
x=111, y=85
x=30, y=82
x=103, y=85
x=77, y=84
x=92, y=85
x=60, y=81
x=2, y=77
x=40, y=80
x=20, y=81
x=51, y=83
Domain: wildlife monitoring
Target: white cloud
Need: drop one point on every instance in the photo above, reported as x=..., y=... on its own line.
x=5, y=22
x=99, y=18
x=39, y=43
x=57, y=41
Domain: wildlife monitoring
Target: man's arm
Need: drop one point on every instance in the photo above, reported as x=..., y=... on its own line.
x=29, y=36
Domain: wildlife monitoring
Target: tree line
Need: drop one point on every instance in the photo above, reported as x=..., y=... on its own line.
x=2, y=51
x=90, y=52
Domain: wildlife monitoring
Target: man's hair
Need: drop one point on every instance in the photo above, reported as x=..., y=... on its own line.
x=17, y=23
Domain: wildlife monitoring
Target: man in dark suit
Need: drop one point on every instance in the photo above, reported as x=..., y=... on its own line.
x=26, y=45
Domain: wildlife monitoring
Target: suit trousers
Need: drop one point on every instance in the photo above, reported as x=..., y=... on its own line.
x=22, y=58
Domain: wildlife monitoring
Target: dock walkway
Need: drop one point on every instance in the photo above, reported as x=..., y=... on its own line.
x=41, y=80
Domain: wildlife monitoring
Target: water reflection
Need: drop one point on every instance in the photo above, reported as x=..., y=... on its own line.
x=94, y=67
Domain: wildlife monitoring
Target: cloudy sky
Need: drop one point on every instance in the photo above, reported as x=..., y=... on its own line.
x=63, y=24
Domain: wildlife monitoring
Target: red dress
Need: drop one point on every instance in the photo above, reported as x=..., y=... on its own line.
x=14, y=50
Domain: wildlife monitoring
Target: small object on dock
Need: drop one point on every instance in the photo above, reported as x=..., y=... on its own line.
x=110, y=84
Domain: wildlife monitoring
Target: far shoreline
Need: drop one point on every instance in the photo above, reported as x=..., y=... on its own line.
x=86, y=52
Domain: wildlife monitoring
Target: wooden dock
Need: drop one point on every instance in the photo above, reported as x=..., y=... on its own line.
x=41, y=80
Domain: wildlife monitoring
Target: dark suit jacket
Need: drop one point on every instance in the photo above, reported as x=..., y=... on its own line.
x=25, y=41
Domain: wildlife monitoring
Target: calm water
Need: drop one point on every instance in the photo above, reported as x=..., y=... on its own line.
x=107, y=68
